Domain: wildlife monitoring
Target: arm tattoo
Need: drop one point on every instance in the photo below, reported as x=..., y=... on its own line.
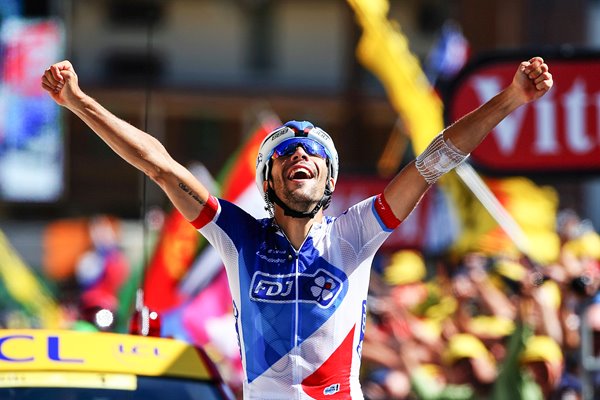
x=189, y=191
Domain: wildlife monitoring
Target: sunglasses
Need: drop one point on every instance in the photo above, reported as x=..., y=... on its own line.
x=288, y=147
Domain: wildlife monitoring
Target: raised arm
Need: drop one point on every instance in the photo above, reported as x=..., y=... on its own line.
x=531, y=81
x=133, y=145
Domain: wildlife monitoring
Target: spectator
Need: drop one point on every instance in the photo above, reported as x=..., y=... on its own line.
x=100, y=273
x=470, y=362
x=543, y=359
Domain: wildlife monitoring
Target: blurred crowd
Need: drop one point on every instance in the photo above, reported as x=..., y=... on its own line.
x=483, y=326
x=79, y=284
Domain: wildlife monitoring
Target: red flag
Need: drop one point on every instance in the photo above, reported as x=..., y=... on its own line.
x=176, y=249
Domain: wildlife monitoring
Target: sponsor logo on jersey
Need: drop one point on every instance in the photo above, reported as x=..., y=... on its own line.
x=363, y=328
x=273, y=255
x=320, y=288
x=236, y=315
x=331, y=389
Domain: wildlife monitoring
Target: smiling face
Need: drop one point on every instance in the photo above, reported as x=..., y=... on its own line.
x=299, y=179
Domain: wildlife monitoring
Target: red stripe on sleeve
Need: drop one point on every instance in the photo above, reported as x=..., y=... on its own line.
x=385, y=212
x=207, y=214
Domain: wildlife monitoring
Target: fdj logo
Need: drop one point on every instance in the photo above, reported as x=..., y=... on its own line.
x=321, y=288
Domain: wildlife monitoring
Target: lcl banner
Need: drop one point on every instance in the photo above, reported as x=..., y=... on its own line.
x=558, y=133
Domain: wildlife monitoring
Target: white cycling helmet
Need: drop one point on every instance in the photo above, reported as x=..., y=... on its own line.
x=292, y=130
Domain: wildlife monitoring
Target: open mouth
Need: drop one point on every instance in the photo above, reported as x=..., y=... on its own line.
x=300, y=173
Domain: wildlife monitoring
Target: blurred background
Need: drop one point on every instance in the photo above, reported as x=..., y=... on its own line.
x=81, y=230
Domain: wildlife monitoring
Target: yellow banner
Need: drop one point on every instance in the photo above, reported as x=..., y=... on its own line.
x=58, y=350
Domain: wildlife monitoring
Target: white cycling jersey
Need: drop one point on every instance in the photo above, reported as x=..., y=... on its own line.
x=300, y=314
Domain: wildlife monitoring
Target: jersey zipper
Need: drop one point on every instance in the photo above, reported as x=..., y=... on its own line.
x=296, y=349
x=295, y=353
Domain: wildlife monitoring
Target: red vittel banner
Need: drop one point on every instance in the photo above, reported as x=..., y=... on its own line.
x=559, y=132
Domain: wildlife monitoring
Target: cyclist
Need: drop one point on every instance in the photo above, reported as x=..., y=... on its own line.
x=299, y=279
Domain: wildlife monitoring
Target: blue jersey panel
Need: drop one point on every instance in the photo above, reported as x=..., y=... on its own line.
x=289, y=294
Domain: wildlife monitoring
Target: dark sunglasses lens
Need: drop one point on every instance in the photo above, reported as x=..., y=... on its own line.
x=311, y=147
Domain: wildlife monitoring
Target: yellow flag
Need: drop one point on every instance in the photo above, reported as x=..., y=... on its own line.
x=533, y=208
x=24, y=287
x=384, y=50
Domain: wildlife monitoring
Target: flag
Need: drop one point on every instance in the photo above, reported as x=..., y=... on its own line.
x=174, y=253
x=25, y=288
x=177, y=246
x=384, y=50
x=533, y=207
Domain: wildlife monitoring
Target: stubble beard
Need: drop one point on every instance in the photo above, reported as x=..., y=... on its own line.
x=301, y=199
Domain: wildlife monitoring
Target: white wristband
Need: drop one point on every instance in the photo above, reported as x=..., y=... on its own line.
x=440, y=157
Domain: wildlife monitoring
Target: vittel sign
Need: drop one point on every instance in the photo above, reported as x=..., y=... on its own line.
x=558, y=133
